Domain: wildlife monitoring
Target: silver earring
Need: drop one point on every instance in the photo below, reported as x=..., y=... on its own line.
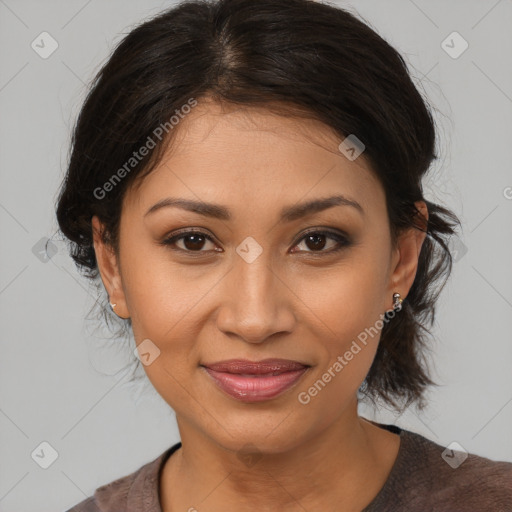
x=397, y=302
x=112, y=306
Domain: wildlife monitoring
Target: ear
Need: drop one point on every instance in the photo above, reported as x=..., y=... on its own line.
x=405, y=261
x=109, y=269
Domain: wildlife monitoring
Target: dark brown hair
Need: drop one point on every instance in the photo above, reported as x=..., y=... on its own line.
x=294, y=57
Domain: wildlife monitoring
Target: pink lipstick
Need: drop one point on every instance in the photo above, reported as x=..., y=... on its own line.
x=255, y=381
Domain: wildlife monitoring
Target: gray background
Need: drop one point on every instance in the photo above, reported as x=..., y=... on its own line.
x=52, y=382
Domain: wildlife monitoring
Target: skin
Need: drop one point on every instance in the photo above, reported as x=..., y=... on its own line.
x=296, y=300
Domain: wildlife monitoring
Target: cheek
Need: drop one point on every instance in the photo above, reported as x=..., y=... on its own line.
x=164, y=304
x=350, y=318
x=345, y=300
x=157, y=293
x=346, y=317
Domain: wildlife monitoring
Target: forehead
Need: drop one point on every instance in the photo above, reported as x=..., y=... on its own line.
x=251, y=157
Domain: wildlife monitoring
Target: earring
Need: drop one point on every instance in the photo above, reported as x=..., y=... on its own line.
x=112, y=306
x=397, y=302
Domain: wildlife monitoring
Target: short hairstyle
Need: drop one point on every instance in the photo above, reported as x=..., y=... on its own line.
x=295, y=58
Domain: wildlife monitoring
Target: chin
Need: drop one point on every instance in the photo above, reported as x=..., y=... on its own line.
x=270, y=435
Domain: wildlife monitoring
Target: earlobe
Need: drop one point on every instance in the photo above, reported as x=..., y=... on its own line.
x=109, y=269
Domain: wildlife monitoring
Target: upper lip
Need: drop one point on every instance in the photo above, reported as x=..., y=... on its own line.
x=244, y=366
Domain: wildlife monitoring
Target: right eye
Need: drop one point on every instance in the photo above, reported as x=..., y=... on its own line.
x=193, y=241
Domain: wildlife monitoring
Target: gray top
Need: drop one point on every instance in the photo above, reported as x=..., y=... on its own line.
x=425, y=477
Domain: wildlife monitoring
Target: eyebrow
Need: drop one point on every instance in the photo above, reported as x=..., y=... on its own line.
x=288, y=213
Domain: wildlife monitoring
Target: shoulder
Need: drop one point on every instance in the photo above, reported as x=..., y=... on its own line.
x=449, y=478
x=109, y=497
x=454, y=464
x=140, y=489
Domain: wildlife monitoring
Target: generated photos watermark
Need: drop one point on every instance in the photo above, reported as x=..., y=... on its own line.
x=304, y=397
x=133, y=161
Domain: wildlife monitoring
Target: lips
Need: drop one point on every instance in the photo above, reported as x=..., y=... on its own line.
x=267, y=366
x=255, y=381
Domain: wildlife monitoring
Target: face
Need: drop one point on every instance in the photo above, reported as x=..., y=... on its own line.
x=242, y=281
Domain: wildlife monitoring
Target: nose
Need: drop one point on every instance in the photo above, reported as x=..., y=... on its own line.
x=256, y=302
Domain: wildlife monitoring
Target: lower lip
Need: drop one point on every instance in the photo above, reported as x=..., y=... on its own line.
x=255, y=389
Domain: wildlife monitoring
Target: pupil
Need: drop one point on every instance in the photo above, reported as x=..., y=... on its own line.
x=315, y=238
x=195, y=241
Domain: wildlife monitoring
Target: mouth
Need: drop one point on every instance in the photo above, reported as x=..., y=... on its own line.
x=255, y=381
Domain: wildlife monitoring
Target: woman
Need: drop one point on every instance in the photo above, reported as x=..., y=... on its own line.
x=246, y=180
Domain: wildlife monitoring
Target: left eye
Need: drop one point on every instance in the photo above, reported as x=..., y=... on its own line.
x=193, y=241
x=317, y=241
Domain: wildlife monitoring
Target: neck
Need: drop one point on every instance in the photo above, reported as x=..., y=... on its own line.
x=347, y=464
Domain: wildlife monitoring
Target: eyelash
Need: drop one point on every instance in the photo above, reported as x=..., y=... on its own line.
x=342, y=240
